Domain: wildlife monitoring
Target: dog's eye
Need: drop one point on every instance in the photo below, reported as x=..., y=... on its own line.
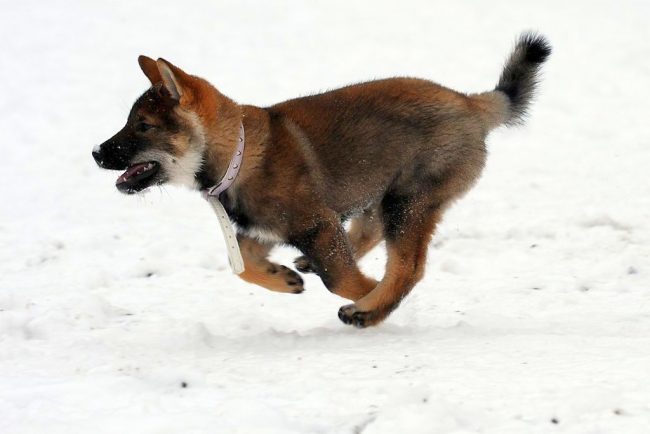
x=143, y=126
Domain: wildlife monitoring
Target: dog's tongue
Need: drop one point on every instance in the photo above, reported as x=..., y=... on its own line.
x=136, y=169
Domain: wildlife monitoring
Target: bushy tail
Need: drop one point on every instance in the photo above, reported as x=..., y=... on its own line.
x=521, y=73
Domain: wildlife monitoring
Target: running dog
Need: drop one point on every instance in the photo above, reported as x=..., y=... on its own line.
x=390, y=155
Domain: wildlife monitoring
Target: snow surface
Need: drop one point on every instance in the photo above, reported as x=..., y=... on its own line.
x=119, y=314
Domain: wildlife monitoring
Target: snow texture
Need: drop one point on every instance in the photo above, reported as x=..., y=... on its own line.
x=119, y=314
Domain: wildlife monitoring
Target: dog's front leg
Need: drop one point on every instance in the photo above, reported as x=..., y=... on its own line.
x=260, y=271
x=365, y=233
x=327, y=248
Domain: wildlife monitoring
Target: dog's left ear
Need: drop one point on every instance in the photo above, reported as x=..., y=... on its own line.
x=150, y=69
x=176, y=81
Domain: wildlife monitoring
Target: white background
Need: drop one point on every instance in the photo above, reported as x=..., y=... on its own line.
x=536, y=302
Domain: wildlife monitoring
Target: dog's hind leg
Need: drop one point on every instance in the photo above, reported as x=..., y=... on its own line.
x=365, y=233
x=408, y=229
x=409, y=217
x=260, y=271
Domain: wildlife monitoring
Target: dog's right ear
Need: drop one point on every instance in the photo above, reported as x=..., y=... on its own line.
x=150, y=69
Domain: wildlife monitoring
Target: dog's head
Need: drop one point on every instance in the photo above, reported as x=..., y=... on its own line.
x=164, y=138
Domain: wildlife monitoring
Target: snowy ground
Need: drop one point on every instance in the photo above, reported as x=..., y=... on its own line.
x=118, y=314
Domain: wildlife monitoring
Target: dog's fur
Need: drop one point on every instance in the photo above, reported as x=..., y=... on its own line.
x=389, y=154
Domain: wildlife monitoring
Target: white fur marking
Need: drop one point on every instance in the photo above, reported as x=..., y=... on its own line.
x=263, y=235
x=184, y=169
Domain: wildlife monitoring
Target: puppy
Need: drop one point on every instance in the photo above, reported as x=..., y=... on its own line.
x=389, y=155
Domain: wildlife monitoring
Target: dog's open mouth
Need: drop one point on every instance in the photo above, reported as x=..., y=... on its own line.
x=137, y=177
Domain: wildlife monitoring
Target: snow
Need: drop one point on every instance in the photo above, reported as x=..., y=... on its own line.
x=534, y=313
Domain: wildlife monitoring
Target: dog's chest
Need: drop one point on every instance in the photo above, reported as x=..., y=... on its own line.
x=248, y=223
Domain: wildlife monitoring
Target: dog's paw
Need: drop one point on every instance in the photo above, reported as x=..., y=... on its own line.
x=293, y=281
x=351, y=316
x=303, y=264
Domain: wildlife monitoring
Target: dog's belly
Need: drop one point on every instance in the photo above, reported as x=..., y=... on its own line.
x=261, y=234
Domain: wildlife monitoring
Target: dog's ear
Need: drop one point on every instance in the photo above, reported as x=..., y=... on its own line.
x=175, y=81
x=150, y=69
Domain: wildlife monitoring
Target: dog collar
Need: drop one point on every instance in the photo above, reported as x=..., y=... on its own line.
x=233, y=167
x=212, y=196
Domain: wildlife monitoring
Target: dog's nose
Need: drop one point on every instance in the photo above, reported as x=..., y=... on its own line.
x=97, y=156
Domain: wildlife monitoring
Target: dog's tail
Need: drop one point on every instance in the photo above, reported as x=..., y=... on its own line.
x=509, y=101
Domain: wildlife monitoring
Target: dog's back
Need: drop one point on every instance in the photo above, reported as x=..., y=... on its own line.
x=396, y=131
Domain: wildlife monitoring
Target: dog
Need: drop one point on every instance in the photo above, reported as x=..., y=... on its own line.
x=388, y=155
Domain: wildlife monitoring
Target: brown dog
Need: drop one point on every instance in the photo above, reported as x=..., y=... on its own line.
x=389, y=154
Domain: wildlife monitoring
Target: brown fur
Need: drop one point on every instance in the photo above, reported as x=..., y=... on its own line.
x=390, y=154
x=260, y=271
x=308, y=164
